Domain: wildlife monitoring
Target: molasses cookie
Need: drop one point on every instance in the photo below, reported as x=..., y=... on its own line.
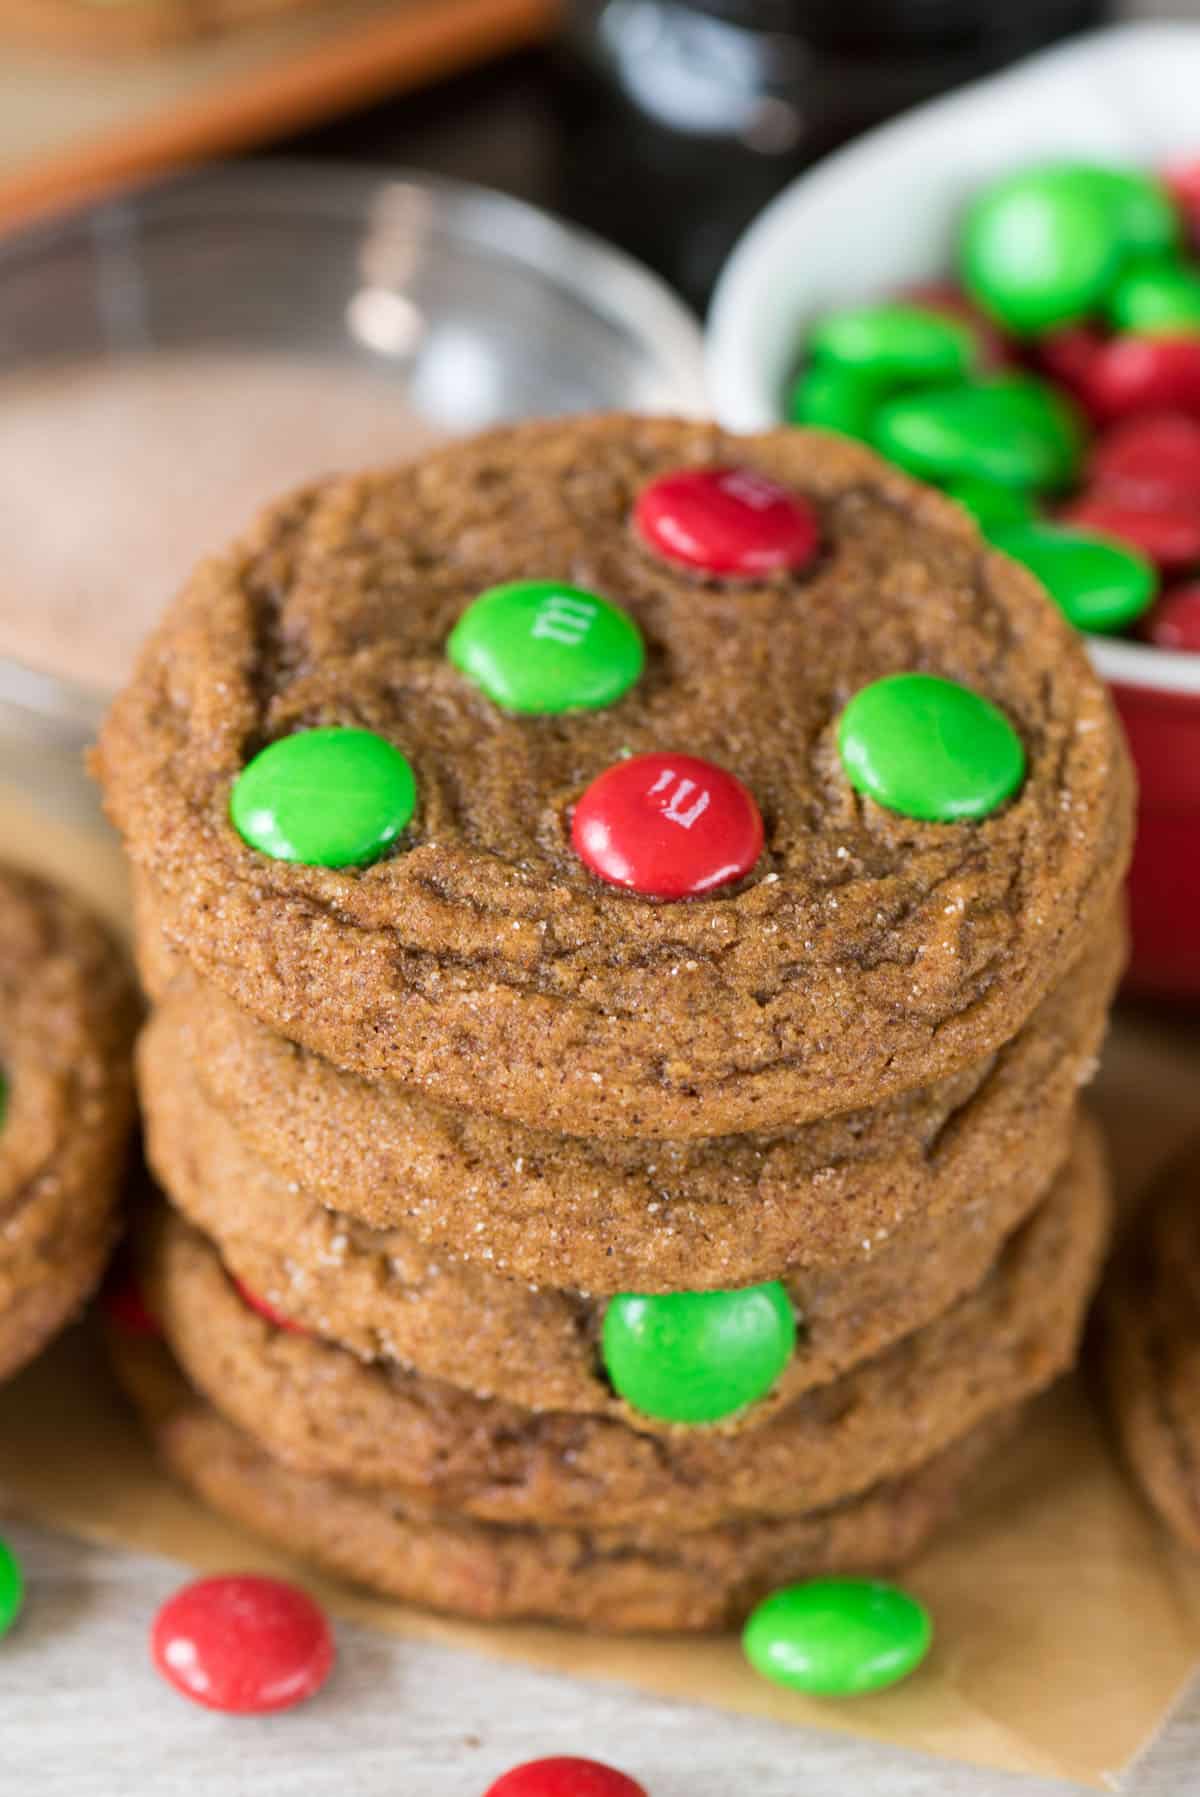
x=67, y=1018
x=565, y=775
x=616, y=1214
x=1150, y=1337
x=621, y=1580
x=384, y=1294
x=322, y=1410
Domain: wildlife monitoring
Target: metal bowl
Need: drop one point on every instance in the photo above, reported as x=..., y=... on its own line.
x=471, y=306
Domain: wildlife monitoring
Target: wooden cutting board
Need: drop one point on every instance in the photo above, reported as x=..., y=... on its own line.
x=73, y=126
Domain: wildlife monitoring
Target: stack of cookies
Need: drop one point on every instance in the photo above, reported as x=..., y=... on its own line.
x=630, y=910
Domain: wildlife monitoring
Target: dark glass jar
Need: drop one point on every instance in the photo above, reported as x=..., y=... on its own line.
x=681, y=118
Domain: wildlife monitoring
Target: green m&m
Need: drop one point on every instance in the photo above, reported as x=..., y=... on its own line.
x=838, y=1637
x=1145, y=217
x=990, y=504
x=1099, y=585
x=895, y=343
x=538, y=646
x=12, y=1588
x=1013, y=431
x=1043, y=247
x=1157, y=299
x=829, y=398
x=695, y=1357
x=929, y=748
x=329, y=798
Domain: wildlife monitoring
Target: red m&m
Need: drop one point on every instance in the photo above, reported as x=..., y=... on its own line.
x=1156, y=454
x=734, y=522
x=1174, y=622
x=1165, y=530
x=667, y=827
x=1115, y=376
x=1145, y=488
x=564, y=1776
x=243, y=1643
x=260, y=1305
x=126, y=1309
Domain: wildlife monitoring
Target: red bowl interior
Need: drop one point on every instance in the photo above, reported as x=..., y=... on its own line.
x=1163, y=727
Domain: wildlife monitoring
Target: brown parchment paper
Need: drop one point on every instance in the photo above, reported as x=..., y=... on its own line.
x=1066, y=1622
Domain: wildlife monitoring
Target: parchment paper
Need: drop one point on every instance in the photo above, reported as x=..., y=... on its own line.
x=1066, y=1622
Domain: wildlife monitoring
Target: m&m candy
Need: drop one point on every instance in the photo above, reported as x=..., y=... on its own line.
x=667, y=827
x=695, y=1357
x=727, y=522
x=838, y=1637
x=929, y=748
x=1099, y=585
x=12, y=1588
x=1174, y=622
x=1156, y=299
x=994, y=348
x=125, y=1308
x=1011, y=430
x=564, y=1776
x=1044, y=246
x=1114, y=377
x=1165, y=530
x=896, y=343
x=829, y=398
x=1155, y=455
x=267, y=1311
x=989, y=503
x=540, y=646
x=329, y=798
x=1039, y=249
x=243, y=1643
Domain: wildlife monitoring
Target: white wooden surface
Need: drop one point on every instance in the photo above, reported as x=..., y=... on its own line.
x=83, y=1715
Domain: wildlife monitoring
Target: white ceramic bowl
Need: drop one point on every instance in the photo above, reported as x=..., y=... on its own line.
x=881, y=215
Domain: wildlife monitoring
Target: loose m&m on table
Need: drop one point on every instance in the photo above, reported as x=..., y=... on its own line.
x=838, y=1637
x=333, y=797
x=243, y=1643
x=12, y=1588
x=731, y=523
x=564, y=1775
x=667, y=827
x=541, y=647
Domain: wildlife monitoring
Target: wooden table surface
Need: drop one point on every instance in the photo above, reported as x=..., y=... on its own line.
x=82, y=1715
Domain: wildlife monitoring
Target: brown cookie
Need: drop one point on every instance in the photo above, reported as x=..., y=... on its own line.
x=865, y=954
x=387, y=1294
x=631, y=1581
x=622, y=1215
x=67, y=1018
x=326, y=1412
x=1149, y=1333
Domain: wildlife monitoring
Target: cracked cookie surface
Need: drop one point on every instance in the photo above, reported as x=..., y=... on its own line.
x=864, y=955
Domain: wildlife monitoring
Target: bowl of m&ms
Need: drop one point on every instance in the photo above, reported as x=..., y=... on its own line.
x=1000, y=293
